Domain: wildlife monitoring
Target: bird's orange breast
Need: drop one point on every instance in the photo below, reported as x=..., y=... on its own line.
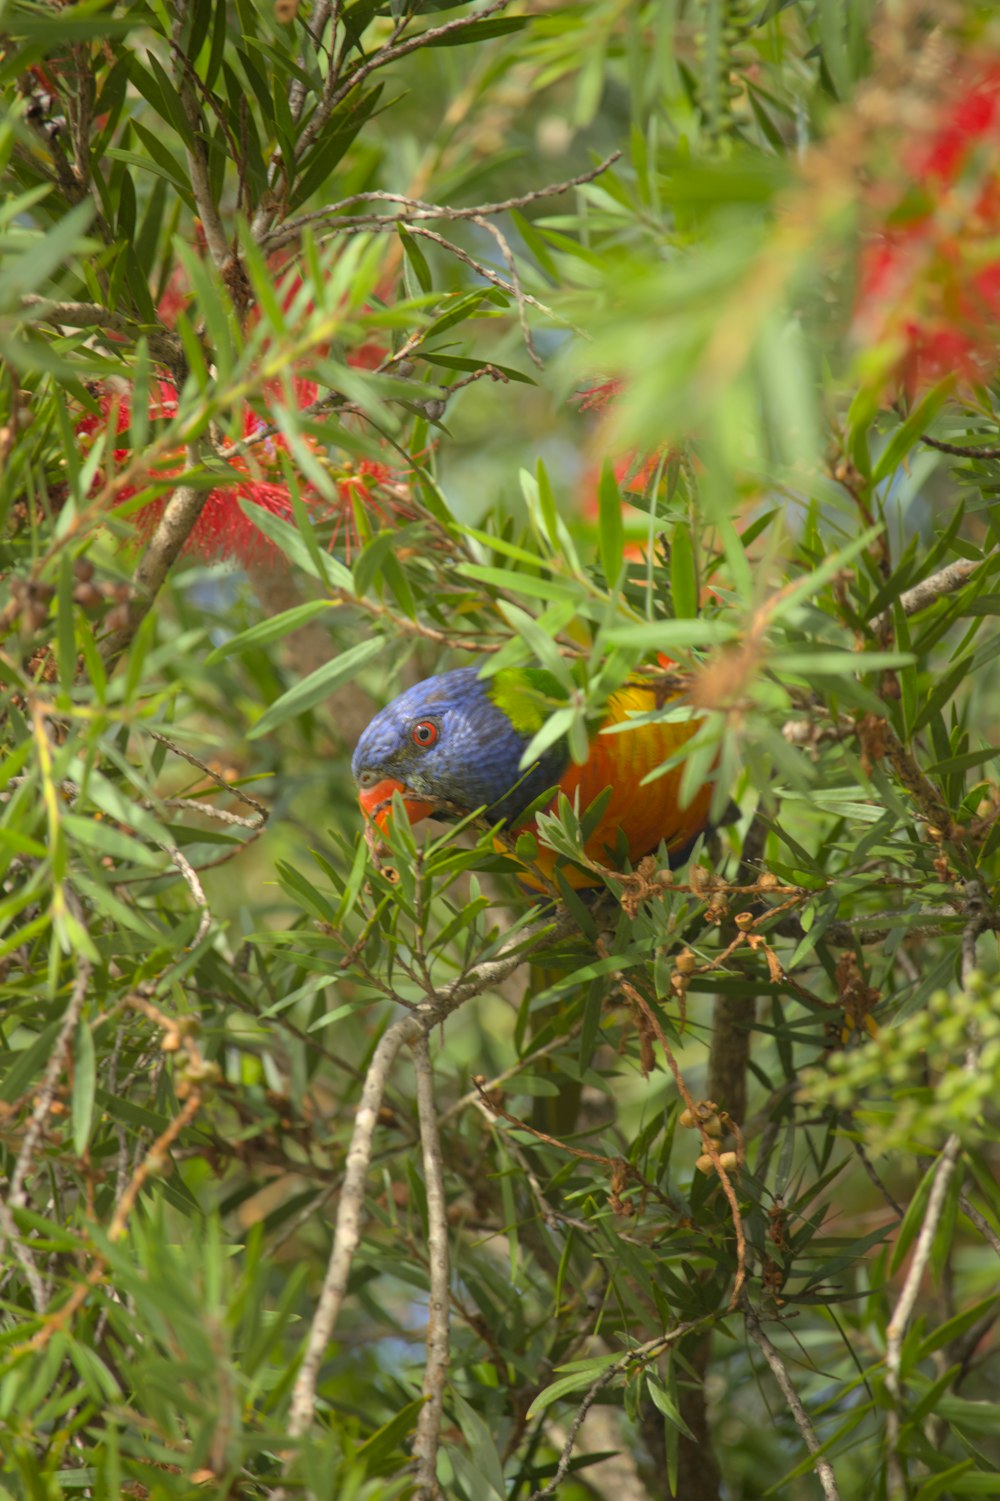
x=645, y=815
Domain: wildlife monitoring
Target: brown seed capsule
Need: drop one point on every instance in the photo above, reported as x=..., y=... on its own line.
x=686, y=963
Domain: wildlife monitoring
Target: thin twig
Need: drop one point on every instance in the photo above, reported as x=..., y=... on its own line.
x=259, y=808
x=425, y=1443
x=193, y=884
x=550, y=1215
x=197, y=156
x=390, y=52
x=821, y=1465
x=943, y=1172
x=945, y=581
x=644, y=1354
x=961, y=450
x=980, y=1221
x=415, y=208
x=906, y=1302
x=488, y=1086
x=347, y=1231
x=17, y=1197
x=870, y=1169
x=708, y=1144
x=515, y=281
x=10, y=1235
x=315, y=29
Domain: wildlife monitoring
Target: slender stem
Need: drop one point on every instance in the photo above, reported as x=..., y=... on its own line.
x=425, y=1444
x=822, y=1466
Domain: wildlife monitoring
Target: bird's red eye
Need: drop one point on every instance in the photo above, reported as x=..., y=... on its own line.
x=425, y=732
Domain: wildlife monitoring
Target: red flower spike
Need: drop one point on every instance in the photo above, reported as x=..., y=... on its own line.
x=223, y=530
x=929, y=284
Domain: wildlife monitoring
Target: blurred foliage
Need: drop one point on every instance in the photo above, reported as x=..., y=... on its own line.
x=297, y=304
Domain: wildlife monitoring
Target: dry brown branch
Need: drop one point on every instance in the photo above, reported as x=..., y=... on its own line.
x=413, y=209
x=905, y=1304
x=190, y=877
x=980, y=1221
x=425, y=1442
x=162, y=551
x=335, y=92
x=943, y=1173
x=822, y=1466
x=945, y=581
x=347, y=1231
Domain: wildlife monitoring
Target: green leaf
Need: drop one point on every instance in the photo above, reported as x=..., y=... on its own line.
x=583, y=1375
x=320, y=565
x=84, y=1081
x=317, y=686
x=275, y=628
x=479, y=31
x=416, y=258
x=610, y=529
x=683, y=572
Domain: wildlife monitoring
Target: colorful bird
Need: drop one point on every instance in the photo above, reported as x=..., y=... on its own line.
x=454, y=743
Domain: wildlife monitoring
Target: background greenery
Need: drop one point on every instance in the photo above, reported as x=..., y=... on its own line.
x=313, y=264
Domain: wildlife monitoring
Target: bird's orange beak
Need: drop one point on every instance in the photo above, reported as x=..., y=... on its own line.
x=376, y=802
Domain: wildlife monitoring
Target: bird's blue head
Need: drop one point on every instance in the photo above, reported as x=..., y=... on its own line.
x=450, y=745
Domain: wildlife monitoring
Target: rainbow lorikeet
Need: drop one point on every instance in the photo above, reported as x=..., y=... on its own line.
x=454, y=743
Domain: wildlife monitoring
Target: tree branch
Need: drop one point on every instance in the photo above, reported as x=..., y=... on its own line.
x=425, y=1443
x=645, y=1353
x=961, y=450
x=409, y=1030
x=17, y=1196
x=388, y=53
x=197, y=157
x=945, y=581
x=162, y=551
x=821, y=1465
x=415, y=209
x=936, y=1199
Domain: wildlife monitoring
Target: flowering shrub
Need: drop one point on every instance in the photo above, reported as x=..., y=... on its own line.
x=223, y=530
x=930, y=277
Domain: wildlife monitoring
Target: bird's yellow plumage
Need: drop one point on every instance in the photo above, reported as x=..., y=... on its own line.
x=644, y=814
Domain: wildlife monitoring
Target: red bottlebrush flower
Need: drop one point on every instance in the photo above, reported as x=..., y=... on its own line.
x=929, y=284
x=378, y=491
x=633, y=470
x=598, y=398
x=222, y=530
